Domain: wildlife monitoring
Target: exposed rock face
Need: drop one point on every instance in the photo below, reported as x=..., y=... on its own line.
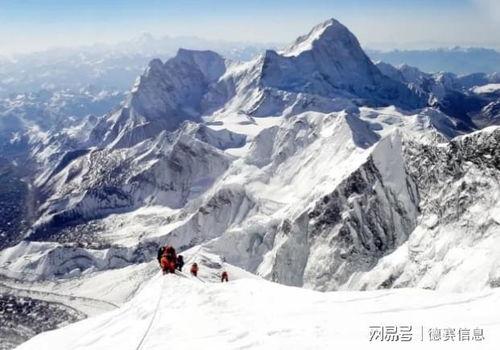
x=370, y=214
x=164, y=97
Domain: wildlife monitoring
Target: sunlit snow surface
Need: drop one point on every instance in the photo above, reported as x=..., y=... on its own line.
x=181, y=312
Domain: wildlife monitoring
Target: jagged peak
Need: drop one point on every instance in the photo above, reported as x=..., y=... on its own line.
x=155, y=63
x=327, y=31
x=189, y=54
x=210, y=63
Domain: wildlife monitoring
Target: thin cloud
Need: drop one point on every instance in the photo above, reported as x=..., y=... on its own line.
x=491, y=7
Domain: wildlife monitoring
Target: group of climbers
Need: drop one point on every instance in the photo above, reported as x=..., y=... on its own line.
x=169, y=261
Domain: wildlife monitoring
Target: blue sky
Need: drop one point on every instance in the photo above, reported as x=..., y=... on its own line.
x=36, y=24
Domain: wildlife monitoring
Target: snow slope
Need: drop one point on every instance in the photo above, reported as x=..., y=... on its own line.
x=176, y=312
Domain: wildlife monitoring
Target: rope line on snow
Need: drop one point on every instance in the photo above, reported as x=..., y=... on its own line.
x=148, y=329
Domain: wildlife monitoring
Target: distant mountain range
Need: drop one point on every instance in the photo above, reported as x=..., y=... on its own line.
x=114, y=67
x=457, y=60
x=103, y=66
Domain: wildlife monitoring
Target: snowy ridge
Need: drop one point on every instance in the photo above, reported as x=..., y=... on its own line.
x=193, y=313
x=459, y=224
x=165, y=96
x=471, y=99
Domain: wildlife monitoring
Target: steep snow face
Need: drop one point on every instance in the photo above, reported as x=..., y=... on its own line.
x=164, y=96
x=168, y=170
x=329, y=62
x=189, y=313
x=330, y=49
x=458, y=232
x=370, y=213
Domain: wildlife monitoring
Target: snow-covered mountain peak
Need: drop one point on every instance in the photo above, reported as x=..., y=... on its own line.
x=325, y=70
x=310, y=167
x=325, y=33
x=329, y=62
x=166, y=95
x=210, y=63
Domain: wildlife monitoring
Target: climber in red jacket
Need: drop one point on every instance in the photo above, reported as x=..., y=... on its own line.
x=224, y=277
x=194, y=269
x=168, y=260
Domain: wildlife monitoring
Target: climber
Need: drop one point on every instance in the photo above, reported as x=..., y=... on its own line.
x=160, y=254
x=180, y=262
x=224, y=277
x=167, y=259
x=164, y=264
x=194, y=269
x=171, y=257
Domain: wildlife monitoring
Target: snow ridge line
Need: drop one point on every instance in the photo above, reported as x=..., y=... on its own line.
x=148, y=329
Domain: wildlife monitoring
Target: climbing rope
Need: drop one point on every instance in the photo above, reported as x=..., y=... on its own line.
x=148, y=329
x=153, y=317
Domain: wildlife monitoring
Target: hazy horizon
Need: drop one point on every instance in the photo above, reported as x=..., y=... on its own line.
x=384, y=24
x=376, y=46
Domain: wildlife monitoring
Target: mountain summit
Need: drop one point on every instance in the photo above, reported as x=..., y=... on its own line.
x=328, y=35
x=166, y=95
x=330, y=62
